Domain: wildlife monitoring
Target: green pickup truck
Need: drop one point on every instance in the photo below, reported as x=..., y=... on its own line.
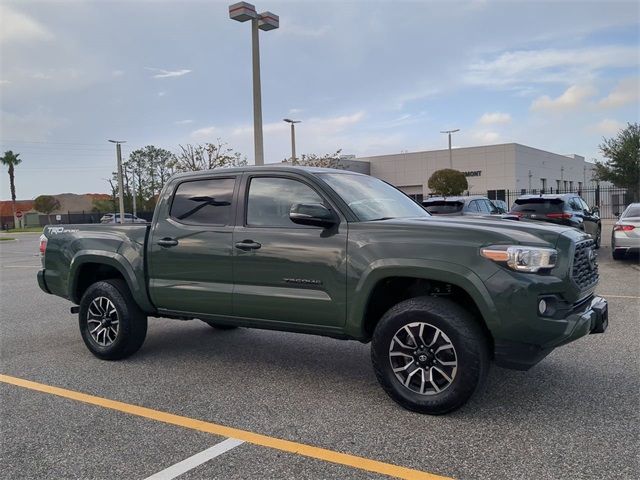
x=340, y=254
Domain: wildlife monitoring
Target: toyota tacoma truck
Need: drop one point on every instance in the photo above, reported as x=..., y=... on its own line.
x=338, y=254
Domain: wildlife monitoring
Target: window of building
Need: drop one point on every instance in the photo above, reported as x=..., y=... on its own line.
x=543, y=184
x=557, y=185
x=270, y=200
x=570, y=186
x=566, y=185
x=204, y=202
x=580, y=187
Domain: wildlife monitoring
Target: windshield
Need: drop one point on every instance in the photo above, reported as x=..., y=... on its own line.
x=442, y=207
x=372, y=199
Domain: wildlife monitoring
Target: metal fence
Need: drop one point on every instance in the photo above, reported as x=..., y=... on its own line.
x=33, y=219
x=611, y=201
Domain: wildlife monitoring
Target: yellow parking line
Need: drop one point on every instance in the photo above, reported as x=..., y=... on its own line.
x=216, y=429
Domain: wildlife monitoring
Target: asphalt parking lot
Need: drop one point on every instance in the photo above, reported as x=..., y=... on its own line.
x=575, y=415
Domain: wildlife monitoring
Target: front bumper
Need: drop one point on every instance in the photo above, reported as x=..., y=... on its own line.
x=522, y=356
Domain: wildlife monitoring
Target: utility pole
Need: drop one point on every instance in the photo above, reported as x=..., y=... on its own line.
x=241, y=12
x=293, y=138
x=133, y=189
x=449, y=132
x=120, y=183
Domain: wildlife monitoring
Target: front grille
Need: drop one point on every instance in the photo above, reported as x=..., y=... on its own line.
x=585, y=271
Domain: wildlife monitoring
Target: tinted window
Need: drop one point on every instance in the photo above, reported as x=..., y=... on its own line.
x=205, y=202
x=474, y=207
x=574, y=204
x=270, y=201
x=584, y=205
x=439, y=207
x=537, y=205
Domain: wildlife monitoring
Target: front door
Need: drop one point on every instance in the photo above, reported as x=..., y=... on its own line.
x=190, y=255
x=285, y=272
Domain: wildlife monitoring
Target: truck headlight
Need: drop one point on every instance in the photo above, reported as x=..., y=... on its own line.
x=522, y=258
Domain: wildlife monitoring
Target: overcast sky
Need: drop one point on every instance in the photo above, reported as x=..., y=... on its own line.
x=367, y=77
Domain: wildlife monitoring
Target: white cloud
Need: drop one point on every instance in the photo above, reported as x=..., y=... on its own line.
x=18, y=27
x=494, y=118
x=41, y=76
x=573, y=97
x=607, y=126
x=168, y=73
x=117, y=73
x=182, y=122
x=5, y=82
x=162, y=94
x=415, y=96
x=294, y=111
x=550, y=65
x=485, y=137
x=205, y=134
x=295, y=29
x=627, y=91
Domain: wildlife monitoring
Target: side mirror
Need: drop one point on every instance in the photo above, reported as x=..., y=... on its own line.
x=596, y=211
x=313, y=214
x=617, y=214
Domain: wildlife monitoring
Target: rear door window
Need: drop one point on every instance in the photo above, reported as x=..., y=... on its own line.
x=204, y=202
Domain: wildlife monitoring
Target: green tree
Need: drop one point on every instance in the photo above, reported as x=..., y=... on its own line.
x=622, y=167
x=146, y=170
x=11, y=160
x=46, y=204
x=447, y=182
x=328, y=160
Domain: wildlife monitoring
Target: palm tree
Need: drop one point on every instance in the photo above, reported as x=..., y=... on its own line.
x=11, y=159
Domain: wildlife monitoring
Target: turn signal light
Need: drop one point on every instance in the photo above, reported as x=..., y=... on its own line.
x=623, y=228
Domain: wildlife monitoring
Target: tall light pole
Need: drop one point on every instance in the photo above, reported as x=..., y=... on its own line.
x=133, y=190
x=266, y=21
x=449, y=132
x=293, y=138
x=120, y=183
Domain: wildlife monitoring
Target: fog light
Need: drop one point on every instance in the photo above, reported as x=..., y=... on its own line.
x=542, y=306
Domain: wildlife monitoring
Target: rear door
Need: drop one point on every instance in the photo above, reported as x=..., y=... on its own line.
x=190, y=247
x=285, y=272
x=590, y=218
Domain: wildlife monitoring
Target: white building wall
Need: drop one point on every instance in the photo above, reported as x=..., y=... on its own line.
x=501, y=167
x=411, y=171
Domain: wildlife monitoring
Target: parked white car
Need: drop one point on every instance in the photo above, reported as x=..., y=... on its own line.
x=625, y=237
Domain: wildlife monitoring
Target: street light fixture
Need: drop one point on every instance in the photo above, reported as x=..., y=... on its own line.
x=120, y=183
x=450, y=154
x=293, y=138
x=266, y=21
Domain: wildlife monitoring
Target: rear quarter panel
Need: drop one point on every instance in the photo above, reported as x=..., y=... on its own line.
x=120, y=246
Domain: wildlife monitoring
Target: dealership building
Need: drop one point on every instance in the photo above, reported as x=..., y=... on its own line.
x=498, y=171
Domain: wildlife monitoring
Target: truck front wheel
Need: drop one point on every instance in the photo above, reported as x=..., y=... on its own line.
x=111, y=323
x=429, y=355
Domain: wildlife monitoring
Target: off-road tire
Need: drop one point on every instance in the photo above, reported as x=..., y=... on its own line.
x=598, y=239
x=466, y=336
x=219, y=326
x=132, y=329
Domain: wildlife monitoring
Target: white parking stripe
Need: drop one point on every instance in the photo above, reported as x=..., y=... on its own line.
x=198, y=459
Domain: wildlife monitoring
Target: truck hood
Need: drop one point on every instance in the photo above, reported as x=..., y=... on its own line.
x=495, y=230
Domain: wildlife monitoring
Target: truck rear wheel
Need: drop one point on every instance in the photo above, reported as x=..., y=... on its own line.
x=429, y=355
x=111, y=323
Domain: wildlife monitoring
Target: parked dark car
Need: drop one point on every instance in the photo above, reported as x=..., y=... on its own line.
x=469, y=205
x=562, y=209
